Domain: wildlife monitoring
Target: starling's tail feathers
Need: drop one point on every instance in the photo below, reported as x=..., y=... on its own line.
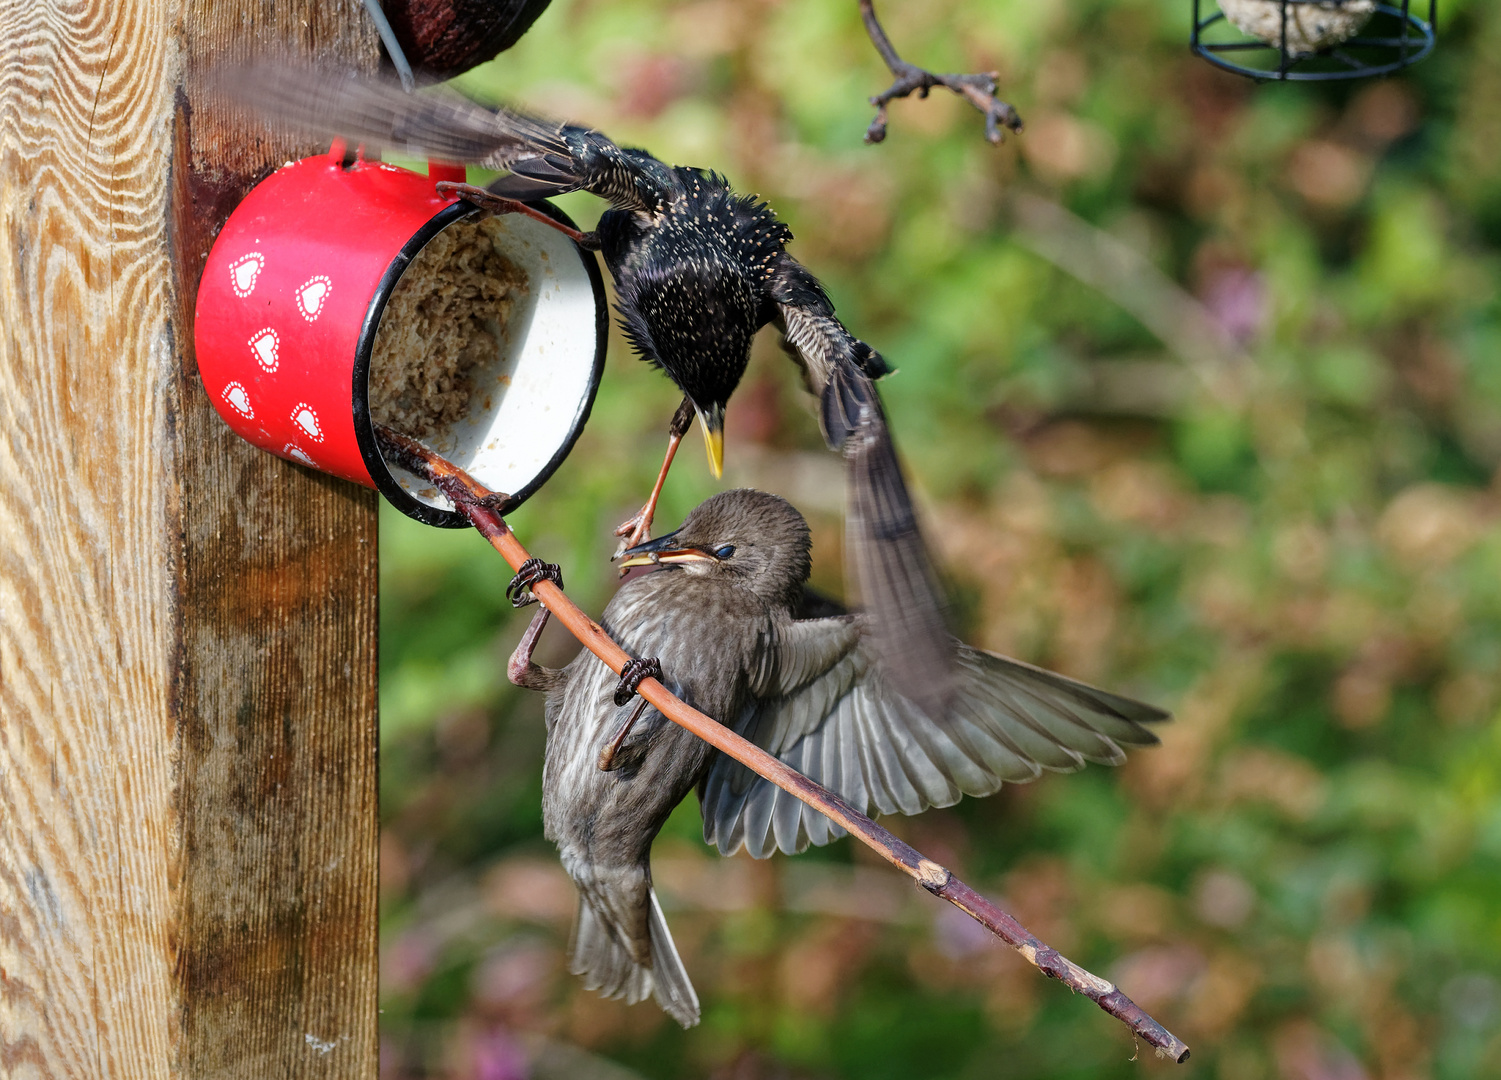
x=671, y=986
x=623, y=949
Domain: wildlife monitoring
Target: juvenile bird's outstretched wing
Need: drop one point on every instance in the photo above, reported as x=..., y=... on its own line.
x=826, y=708
x=544, y=157
x=887, y=558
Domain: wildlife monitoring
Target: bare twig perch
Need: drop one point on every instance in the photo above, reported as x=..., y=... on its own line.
x=478, y=504
x=978, y=89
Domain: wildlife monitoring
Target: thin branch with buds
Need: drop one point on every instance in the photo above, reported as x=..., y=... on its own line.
x=480, y=505
x=978, y=89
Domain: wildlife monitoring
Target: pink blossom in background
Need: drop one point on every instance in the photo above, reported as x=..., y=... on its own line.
x=1236, y=297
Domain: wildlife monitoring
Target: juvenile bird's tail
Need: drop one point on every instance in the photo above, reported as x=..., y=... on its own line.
x=621, y=944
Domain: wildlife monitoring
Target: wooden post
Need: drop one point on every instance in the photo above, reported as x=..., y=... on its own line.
x=187, y=625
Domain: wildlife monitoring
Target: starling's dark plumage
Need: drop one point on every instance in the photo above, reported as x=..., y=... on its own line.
x=698, y=270
x=720, y=617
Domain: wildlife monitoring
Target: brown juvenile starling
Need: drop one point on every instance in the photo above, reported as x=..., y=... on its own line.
x=717, y=625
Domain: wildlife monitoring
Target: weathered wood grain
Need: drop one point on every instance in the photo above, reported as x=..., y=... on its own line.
x=187, y=626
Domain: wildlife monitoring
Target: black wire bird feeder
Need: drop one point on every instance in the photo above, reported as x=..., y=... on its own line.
x=1313, y=40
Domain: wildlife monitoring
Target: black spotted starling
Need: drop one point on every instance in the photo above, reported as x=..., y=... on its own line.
x=698, y=270
x=717, y=625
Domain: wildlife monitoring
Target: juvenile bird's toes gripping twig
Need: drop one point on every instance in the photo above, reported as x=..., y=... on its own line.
x=630, y=678
x=978, y=89
x=499, y=204
x=632, y=674
x=519, y=591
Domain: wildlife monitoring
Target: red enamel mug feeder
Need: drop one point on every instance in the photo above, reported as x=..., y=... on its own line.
x=291, y=305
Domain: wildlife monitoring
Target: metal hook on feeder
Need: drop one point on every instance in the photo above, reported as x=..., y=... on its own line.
x=393, y=47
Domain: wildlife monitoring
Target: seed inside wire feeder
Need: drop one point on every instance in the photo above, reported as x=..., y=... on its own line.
x=1311, y=26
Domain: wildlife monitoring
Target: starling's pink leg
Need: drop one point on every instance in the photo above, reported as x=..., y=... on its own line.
x=638, y=529
x=498, y=204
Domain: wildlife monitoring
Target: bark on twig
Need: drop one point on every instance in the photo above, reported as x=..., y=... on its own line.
x=978, y=89
x=479, y=505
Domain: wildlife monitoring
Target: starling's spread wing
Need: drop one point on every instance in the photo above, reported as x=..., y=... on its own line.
x=887, y=558
x=889, y=562
x=829, y=713
x=548, y=158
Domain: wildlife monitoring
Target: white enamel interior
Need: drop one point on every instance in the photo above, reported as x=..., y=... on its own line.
x=525, y=402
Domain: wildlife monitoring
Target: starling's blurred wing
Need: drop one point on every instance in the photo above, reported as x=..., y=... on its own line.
x=886, y=557
x=888, y=560
x=434, y=122
x=826, y=709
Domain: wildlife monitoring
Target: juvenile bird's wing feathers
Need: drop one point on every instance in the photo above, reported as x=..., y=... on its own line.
x=828, y=711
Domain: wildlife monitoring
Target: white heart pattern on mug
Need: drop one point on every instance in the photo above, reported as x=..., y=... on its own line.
x=243, y=272
x=292, y=450
x=313, y=295
x=307, y=421
x=239, y=400
x=267, y=348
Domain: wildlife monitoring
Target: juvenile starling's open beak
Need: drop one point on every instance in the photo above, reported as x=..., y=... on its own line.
x=712, y=425
x=664, y=549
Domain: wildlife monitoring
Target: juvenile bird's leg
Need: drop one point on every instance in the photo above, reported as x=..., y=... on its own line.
x=978, y=89
x=519, y=591
x=498, y=204
x=630, y=678
x=521, y=670
x=638, y=529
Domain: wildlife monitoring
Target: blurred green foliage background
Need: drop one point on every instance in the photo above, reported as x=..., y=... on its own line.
x=1200, y=385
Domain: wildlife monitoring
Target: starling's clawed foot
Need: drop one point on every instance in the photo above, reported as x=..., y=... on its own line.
x=635, y=531
x=519, y=591
x=630, y=678
x=632, y=674
x=499, y=204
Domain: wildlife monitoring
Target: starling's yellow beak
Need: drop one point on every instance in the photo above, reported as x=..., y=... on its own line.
x=712, y=425
x=647, y=558
x=664, y=549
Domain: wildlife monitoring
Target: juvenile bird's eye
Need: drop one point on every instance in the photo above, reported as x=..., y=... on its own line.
x=725, y=552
